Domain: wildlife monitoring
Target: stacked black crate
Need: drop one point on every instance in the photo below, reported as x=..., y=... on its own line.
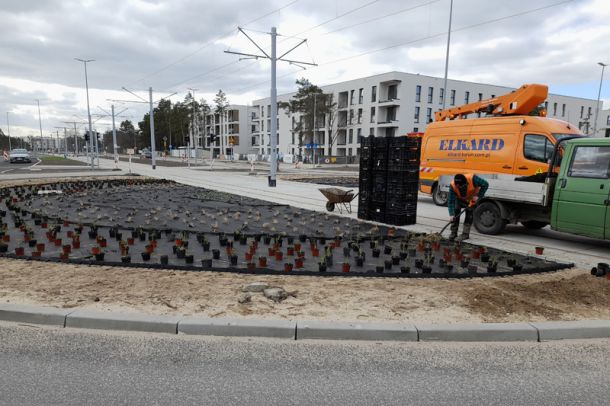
x=365, y=184
x=402, y=180
x=377, y=208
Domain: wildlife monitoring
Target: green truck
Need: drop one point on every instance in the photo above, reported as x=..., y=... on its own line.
x=573, y=196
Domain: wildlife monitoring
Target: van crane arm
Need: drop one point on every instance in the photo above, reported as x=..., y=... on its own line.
x=518, y=102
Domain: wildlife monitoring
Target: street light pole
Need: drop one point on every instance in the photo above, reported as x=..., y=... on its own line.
x=39, y=122
x=8, y=127
x=447, y=55
x=85, y=61
x=599, y=93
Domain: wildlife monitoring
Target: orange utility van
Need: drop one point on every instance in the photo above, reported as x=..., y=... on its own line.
x=503, y=142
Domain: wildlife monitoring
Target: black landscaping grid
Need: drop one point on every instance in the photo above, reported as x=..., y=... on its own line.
x=184, y=227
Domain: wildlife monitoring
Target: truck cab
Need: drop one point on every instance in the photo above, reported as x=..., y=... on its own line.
x=581, y=199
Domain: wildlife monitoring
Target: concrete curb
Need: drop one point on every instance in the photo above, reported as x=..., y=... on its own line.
x=306, y=330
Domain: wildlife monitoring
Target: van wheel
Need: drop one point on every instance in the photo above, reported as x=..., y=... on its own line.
x=534, y=225
x=488, y=220
x=439, y=198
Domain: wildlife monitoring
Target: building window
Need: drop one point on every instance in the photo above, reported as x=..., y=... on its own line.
x=608, y=120
x=351, y=116
x=360, y=96
x=441, y=95
x=372, y=114
x=351, y=97
x=589, y=112
x=358, y=133
x=466, y=97
x=374, y=94
x=359, y=116
x=582, y=111
x=428, y=115
x=372, y=131
x=430, y=94
x=554, y=109
x=563, y=110
x=415, y=129
x=546, y=106
x=416, y=115
x=350, y=136
x=418, y=93
x=452, y=99
x=480, y=96
x=493, y=96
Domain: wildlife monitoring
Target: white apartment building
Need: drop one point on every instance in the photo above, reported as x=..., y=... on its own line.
x=232, y=128
x=392, y=103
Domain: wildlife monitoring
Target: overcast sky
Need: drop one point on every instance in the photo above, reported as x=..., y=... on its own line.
x=173, y=45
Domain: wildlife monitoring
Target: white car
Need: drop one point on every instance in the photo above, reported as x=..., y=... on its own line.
x=20, y=155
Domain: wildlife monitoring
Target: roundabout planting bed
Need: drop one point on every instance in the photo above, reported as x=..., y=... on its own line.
x=161, y=224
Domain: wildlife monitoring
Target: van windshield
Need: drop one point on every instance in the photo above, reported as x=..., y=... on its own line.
x=559, y=137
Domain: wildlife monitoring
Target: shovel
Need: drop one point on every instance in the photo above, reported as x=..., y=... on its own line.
x=458, y=214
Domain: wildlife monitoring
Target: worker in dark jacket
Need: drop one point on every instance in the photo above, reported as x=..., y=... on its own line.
x=465, y=191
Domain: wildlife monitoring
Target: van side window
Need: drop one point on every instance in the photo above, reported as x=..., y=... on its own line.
x=590, y=162
x=537, y=148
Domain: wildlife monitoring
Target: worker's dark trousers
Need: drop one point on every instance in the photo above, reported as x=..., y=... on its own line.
x=455, y=225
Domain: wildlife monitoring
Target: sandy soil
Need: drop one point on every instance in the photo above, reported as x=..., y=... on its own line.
x=565, y=295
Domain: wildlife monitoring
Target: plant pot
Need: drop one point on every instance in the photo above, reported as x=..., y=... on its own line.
x=485, y=257
x=189, y=259
x=103, y=243
x=419, y=263
x=387, y=250
x=379, y=269
x=329, y=260
x=40, y=247
x=472, y=269
x=359, y=261
x=290, y=240
x=476, y=254
x=412, y=252
x=145, y=256
x=67, y=248
x=539, y=250
x=6, y=238
x=464, y=263
x=427, y=269
x=251, y=265
x=279, y=255
x=92, y=234
x=290, y=251
x=95, y=250
x=315, y=252
x=267, y=240
x=517, y=268
x=70, y=234
x=387, y=264
x=321, y=267
x=262, y=262
x=181, y=253
x=3, y=248
x=376, y=252
x=298, y=263
x=32, y=243
x=99, y=257
x=287, y=267
x=233, y=260
x=58, y=242
x=64, y=257
x=206, y=263
x=345, y=267
x=215, y=254
x=126, y=259
x=405, y=269
x=164, y=259
x=130, y=241
x=142, y=236
x=248, y=256
x=491, y=268
x=36, y=254
x=395, y=260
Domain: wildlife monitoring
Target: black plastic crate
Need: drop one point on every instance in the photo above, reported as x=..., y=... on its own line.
x=364, y=213
x=381, y=142
x=400, y=219
x=401, y=204
x=367, y=141
x=406, y=177
x=404, y=141
x=376, y=212
x=404, y=153
x=380, y=165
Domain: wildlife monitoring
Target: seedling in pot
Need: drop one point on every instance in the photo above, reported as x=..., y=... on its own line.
x=405, y=269
x=322, y=266
x=126, y=259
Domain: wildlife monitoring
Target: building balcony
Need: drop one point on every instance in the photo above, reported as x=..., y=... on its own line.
x=390, y=102
x=388, y=123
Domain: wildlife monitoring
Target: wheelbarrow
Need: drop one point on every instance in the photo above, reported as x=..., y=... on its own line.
x=339, y=198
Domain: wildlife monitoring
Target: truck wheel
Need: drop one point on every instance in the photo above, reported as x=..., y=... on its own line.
x=488, y=220
x=534, y=225
x=439, y=198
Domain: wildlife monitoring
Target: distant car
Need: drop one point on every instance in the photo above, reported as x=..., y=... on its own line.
x=146, y=153
x=20, y=155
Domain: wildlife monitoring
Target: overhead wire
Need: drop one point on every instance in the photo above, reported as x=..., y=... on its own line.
x=418, y=40
x=208, y=43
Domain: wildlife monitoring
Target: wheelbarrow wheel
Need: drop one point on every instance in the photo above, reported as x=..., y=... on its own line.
x=330, y=206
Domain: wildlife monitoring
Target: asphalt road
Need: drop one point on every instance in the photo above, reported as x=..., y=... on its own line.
x=68, y=366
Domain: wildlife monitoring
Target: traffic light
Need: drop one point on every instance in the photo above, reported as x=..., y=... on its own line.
x=87, y=136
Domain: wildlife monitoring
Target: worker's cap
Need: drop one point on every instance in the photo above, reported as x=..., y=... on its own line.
x=459, y=179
